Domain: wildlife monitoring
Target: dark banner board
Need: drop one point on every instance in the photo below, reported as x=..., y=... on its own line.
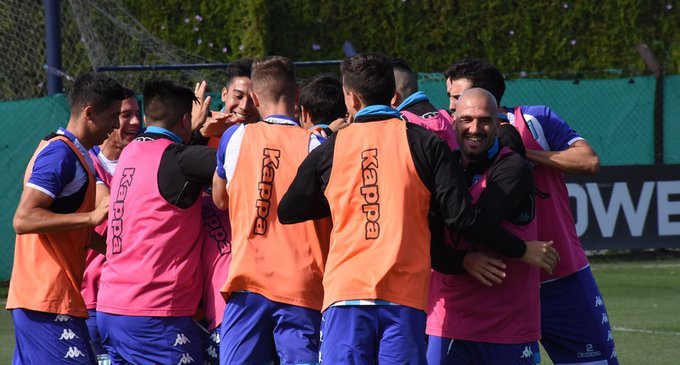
x=625, y=207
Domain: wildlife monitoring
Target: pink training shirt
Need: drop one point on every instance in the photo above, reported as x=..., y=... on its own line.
x=462, y=308
x=215, y=259
x=437, y=122
x=553, y=211
x=152, y=253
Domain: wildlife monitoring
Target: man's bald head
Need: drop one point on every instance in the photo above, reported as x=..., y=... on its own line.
x=480, y=98
x=476, y=122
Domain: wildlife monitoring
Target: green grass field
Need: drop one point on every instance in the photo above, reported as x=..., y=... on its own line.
x=642, y=297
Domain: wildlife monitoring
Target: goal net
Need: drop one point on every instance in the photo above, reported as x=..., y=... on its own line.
x=93, y=33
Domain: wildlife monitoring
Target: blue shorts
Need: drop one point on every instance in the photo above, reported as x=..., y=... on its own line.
x=575, y=326
x=255, y=330
x=211, y=344
x=93, y=330
x=369, y=334
x=47, y=338
x=445, y=351
x=150, y=340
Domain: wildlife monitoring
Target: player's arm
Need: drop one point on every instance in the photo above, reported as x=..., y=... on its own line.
x=567, y=150
x=33, y=215
x=508, y=193
x=219, y=192
x=98, y=238
x=578, y=158
x=447, y=185
x=305, y=199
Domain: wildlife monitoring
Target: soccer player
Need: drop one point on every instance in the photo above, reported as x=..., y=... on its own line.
x=415, y=107
x=238, y=105
x=274, y=284
x=575, y=326
x=378, y=178
x=149, y=288
x=105, y=159
x=54, y=221
x=470, y=322
x=322, y=104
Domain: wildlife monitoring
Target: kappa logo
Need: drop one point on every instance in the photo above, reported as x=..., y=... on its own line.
x=613, y=356
x=605, y=318
x=73, y=352
x=67, y=335
x=62, y=318
x=598, y=301
x=186, y=359
x=118, y=209
x=216, y=231
x=270, y=162
x=215, y=337
x=211, y=351
x=610, y=336
x=369, y=191
x=181, y=340
x=527, y=353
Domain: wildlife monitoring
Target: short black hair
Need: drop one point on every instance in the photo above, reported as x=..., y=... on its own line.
x=370, y=76
x=322, y=98
x=406, y=81
x=128, y=92
x=96, y=90
x=481, y=73
x=242, y=67
x=166, y=102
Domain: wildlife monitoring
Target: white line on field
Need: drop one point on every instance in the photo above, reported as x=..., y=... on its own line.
x=625, y=266
x=624, y=329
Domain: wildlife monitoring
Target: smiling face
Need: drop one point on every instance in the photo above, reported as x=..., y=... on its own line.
x=237, y=100
x=103, y=122
x=476, y=121
x=129, y=122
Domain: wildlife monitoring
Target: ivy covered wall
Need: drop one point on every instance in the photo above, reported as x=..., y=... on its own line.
x=590, y=38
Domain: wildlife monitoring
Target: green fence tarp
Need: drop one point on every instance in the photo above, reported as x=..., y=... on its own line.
x=615, y=116
x=671, y=119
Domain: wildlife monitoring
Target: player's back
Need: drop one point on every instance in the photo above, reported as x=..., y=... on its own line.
x=379, y=204
x=281, y=262
x=151, y=259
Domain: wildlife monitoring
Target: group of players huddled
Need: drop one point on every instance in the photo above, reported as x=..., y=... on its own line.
x=348, y=221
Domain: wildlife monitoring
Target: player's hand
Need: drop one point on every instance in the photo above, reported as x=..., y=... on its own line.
x=216, y=123
x=486, y=269
x=100, y=212
x=338, y=124
x=200, y=109
x=541, y=254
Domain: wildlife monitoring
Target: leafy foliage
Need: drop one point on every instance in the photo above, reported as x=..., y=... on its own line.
x=546, y=38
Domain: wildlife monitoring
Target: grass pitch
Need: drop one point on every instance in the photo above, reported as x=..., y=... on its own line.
x=642, y=298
